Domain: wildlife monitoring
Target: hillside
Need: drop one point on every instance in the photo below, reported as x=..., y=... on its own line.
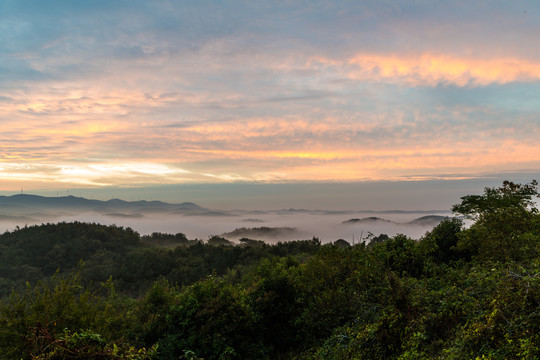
x=455, y=293
x=29, y=202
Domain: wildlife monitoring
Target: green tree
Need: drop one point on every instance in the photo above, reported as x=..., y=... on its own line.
x=83, y=345
x=213, y=320
x=34, y=320
x=274, y=300
x=445, y=237
x=506, y=222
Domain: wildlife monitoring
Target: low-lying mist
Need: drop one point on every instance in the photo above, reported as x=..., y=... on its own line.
x=270, y=226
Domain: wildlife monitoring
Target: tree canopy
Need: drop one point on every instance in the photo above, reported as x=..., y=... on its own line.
x=508, y=198
x=458, y=292
x=505, y=221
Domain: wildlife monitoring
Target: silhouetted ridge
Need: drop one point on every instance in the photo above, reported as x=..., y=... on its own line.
x=71, y=201
x=371, y=219
x=429, y=220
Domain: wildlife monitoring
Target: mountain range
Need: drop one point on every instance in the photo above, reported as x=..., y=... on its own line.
x=28, y=206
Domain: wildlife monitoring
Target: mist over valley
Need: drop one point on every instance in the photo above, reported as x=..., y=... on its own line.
x=198, y=222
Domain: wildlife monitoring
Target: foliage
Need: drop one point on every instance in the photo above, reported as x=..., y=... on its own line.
x=212, y=319
x=507, y=224
x=34, y=320
x=456, y=293
x=274, y=297
x=444, y=239
x=217, y=240
x=168, y=240
x=37, y=252
x=508, y=198
x=34, y=253
x=85, y=345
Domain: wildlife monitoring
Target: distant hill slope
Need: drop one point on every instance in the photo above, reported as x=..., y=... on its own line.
x=24, y=202
x=369, y=220
x=428, y=220
x=261, y=232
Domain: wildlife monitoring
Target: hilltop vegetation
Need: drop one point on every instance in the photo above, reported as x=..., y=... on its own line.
x=455, y=293
x=98, y=252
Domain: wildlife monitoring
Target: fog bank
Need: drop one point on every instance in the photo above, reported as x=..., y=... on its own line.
x=328, y=226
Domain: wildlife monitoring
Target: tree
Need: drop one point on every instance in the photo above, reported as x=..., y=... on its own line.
x=217, y=240
x=341, y=243
x=212, y=320
x=506, y=221
x=509, y=197
x=445, y=236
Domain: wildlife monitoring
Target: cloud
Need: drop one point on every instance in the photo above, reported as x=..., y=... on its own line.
x=434, y=69
x=250, y=91
x=266, y=149
x=93, y=174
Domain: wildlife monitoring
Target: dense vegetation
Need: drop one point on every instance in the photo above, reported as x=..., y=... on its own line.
x=457, y=293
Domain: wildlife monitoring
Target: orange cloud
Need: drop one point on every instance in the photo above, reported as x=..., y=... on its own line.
x=103, y=129
x=432, y=69
x=285, y=165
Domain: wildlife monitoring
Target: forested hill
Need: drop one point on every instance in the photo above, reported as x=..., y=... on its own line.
x=456, y=293
x=98, y=252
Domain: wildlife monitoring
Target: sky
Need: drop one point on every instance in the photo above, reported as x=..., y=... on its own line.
x=112, y=95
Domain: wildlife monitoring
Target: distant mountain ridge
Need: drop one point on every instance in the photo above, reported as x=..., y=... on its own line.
x=26, y=201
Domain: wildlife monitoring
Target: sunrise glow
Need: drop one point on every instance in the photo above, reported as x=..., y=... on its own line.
x=353, y=92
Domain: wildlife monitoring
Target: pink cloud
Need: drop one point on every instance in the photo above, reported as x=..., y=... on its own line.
x=430, y=69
